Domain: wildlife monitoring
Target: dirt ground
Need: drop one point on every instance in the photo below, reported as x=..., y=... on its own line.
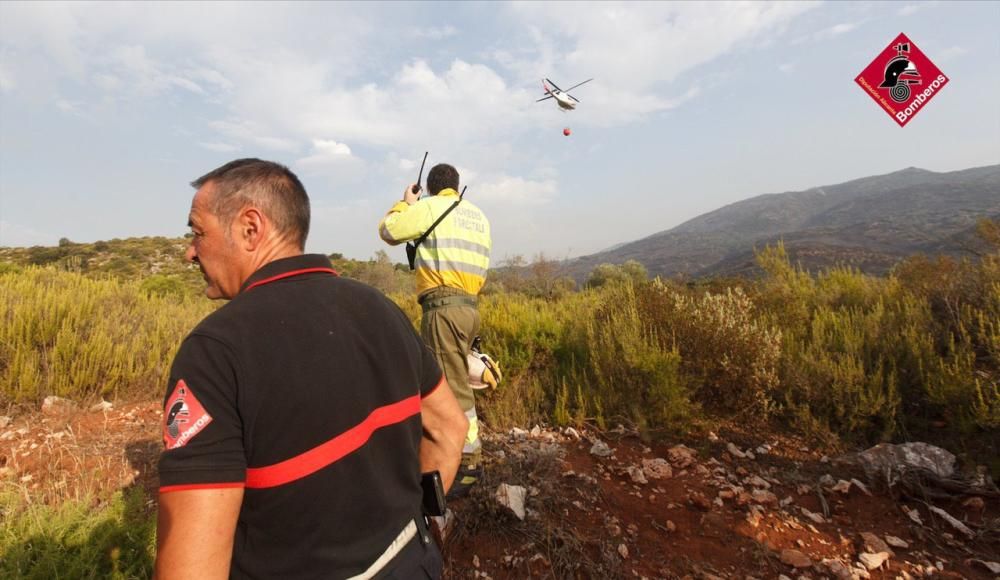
x=716, y=515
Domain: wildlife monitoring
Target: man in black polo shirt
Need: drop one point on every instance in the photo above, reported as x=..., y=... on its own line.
x=299, y=416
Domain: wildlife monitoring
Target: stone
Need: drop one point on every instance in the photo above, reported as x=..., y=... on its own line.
x=842, y=487
x=535, y=431
x=53, y=405
x=992, y=567
x=764, y=497
x=874, y=544
x=601, y=449
x=914, y=515
x=954, y=523
x=657, y=468
x=735, y=451
x=860, y=486
x=758, y=481
x=886, y=457
x=795, y=559
x=973, y=503
x=571, y=432
x=815, y=517
x=623, y=551
x=713, y=437
x=671, y=526
x=699, y=501
x=518, y=434
x=102, y=406
x=896, y=542
x=4, y=421
x=681, y=456
x=512, y=497
x=838, y=569
x=873, y=561
x=637, y=476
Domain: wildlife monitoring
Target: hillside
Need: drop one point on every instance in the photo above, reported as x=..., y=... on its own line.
x=869, y=223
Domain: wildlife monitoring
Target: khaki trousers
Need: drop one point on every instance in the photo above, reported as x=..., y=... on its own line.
x=449, y=324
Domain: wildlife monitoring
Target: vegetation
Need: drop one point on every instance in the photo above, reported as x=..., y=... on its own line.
x=77, y=539
x=839, y=354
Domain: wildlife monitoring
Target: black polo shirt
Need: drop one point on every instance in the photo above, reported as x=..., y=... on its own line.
x=305, y=389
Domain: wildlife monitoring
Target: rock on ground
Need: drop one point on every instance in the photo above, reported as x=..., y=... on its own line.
x=512, y=496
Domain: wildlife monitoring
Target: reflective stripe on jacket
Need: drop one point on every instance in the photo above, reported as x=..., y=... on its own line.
x=456, y=254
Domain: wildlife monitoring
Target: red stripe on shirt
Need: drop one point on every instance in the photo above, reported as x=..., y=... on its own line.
x=333, y=450
x=190, y=486
x=289, y=275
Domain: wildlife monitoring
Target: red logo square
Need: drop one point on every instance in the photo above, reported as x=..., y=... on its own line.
x=183, y=417
x=902, y=80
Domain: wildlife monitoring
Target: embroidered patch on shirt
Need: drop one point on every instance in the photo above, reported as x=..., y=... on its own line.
x=183, y=417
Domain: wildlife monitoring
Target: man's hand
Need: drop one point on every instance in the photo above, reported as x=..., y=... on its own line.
x=408, y=194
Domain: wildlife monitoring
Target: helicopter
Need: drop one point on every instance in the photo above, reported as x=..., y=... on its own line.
x=566, y=101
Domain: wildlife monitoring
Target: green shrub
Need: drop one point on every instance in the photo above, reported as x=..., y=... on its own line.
x=68, y=335
x=77, y=539
x=730, y=356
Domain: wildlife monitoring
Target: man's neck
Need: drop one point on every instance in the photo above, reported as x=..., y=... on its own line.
x=266, y=255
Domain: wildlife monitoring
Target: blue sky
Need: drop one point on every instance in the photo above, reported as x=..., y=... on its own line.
x=107, y=111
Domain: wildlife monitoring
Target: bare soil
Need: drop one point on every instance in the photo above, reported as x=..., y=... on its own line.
x=587, y=516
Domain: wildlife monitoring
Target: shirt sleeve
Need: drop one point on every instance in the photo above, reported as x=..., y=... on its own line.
x=202, y=429
x=405, y=222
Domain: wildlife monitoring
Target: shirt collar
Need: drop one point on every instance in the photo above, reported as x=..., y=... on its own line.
x=446, y=192
x=305, y=264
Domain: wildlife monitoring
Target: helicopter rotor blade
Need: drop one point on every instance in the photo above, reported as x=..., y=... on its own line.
x=576, y=85
x=572, y=97
x=544, y=98
x=555, y=86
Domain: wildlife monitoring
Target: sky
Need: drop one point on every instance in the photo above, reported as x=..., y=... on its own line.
x=109, y=110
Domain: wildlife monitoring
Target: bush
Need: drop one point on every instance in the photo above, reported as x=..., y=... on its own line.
x=115, y=540
x=68, y=335
x=730, y=356
x=868, y=358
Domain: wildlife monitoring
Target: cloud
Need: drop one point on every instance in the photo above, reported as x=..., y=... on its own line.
x=515, y=191
x=787, y=67
x=950, y=53
x=220, y=147
x=636, y=52
x=7, y=83
x=434, y=33
x=326, y=154
x=830, y=32
x=911, y=9
x=253, y=133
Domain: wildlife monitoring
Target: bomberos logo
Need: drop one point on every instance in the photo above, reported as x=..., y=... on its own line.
x=902, y=80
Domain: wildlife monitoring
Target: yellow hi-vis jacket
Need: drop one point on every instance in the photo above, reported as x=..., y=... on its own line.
x=456, y=254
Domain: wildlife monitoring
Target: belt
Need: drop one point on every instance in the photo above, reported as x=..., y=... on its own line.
x=395, y=547
x=446, y=301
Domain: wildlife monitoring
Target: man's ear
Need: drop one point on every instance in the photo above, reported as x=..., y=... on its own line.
x=252, y=226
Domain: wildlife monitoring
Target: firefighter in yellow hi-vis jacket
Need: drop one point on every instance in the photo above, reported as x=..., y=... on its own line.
x=451, y=264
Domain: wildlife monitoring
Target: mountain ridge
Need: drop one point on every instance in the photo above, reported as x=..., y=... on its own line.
x=869, y=223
